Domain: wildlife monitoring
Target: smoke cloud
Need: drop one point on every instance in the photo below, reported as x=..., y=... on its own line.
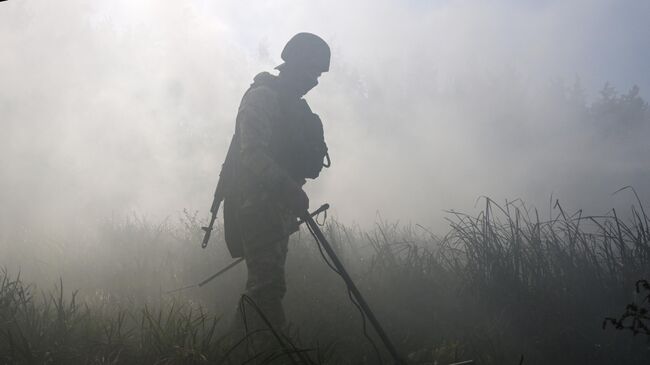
x=112, y=107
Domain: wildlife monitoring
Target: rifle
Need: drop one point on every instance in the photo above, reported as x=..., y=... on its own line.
x=220, y=191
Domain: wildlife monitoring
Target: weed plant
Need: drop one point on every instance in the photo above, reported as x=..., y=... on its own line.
x=498, y=286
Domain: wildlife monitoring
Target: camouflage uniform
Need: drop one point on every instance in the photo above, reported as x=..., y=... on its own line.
x=278, y=143
x=256, y=212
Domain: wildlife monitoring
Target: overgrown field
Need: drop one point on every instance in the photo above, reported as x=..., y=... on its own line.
x=499, y=287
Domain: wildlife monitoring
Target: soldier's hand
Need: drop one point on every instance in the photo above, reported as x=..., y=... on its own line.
x=294, y=197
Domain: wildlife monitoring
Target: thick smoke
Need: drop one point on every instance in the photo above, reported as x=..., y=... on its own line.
x=112, y=107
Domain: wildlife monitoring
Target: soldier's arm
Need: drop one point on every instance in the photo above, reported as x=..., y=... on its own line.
x=254, y=128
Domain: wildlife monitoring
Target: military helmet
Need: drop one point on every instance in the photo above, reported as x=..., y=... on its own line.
x=309, y=50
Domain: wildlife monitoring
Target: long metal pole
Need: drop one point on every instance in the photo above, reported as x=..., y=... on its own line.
x=353, y=288
x=232, y=264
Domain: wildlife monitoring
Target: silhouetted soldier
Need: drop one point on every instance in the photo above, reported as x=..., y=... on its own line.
x=279, y=144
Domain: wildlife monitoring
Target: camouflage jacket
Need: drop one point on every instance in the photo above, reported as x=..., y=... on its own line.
x=276, y=138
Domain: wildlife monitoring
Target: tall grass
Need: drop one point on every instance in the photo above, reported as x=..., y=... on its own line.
x=498, y=286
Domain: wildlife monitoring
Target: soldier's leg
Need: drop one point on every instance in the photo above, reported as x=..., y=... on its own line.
x=264, y=232
x=266, y=286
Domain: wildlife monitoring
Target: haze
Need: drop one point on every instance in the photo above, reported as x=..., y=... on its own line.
x=109, y=108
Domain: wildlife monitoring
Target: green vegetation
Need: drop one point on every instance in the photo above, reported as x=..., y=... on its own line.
x=498, y=286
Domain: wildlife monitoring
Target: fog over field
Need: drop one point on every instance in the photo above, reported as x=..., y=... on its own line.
x=115, y=118
x=109, y=108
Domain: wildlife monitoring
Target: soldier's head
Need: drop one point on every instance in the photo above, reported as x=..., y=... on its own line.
x=306, y=56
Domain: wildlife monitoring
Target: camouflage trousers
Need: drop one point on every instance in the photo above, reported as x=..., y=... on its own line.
x=265, y=242
x=266, y=282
